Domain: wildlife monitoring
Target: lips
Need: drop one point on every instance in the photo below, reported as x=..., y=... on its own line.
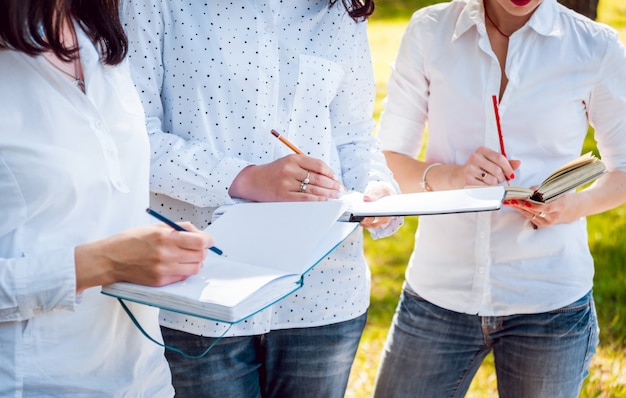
x=521, y=3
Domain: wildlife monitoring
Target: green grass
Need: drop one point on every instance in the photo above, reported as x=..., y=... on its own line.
x=388, y=257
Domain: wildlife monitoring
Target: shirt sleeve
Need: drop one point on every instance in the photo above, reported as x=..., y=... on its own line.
x=31, y=284
x=191, y=170
x=607, y=105
x=362, y=160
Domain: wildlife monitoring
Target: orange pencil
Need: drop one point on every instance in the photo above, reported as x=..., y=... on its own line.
x=286, y=142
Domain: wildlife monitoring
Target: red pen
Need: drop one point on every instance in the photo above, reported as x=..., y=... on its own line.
x=497, y=113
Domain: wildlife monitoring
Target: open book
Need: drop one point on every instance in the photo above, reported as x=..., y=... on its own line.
x=579, y=171
x=270, y=246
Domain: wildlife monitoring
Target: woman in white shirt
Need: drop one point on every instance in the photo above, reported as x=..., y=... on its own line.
x=215, y=78
x=74, y=162
x=518, y=281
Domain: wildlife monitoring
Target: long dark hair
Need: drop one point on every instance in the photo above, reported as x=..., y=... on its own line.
x=34, y=26
x=359, y=10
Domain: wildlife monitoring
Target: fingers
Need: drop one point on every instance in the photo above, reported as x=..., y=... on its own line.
x=374, y=191
x=375, y=222
x=538, y=215
x=313, y=165
x=195, y=239
x=312, y=179
x=377, y=189
x=317, y=185
x=290, y=178
x=177, y=255
x=488, y=167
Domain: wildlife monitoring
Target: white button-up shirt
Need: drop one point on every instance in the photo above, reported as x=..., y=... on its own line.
x=73, y=168
x=563, y=71
x=215, y=77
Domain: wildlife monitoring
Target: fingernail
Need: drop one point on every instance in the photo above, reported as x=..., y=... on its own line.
x=527, y=204
x=506, y=202
x=512, y=176
x=514, y=202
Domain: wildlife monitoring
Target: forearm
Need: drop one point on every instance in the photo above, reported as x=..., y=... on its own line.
x=605, y=194
x=409, y=173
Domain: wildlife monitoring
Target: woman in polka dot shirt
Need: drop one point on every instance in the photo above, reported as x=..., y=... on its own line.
x=215, y=78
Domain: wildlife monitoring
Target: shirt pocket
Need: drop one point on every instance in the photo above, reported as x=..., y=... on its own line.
x=316, y=88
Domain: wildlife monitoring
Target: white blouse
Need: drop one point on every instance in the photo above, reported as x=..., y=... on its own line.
x=215, y=77
x=564, y=71
x=73, y=168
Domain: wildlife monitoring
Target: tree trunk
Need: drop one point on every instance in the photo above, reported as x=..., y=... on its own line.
x=588, y=8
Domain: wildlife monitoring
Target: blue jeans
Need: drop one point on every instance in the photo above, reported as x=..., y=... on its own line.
x=433, y=352
x=303, y=362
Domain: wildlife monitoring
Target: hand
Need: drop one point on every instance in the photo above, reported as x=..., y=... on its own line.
x=291, y=178
x=488, y=167
x=153, y=255
x=374, y=191
x=545, y=215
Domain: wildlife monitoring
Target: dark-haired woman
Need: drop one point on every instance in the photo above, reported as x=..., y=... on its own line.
x=73, y=190
x=215, y=78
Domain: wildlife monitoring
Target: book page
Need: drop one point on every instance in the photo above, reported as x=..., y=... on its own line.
x=280, y=235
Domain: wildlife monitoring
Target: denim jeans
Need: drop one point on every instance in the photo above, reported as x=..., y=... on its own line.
x=301, y=362
x=433, y=352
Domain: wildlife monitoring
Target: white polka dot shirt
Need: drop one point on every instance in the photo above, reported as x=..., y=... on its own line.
x=215, y=77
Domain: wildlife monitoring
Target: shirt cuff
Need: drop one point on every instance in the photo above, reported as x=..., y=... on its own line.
x=388, y=229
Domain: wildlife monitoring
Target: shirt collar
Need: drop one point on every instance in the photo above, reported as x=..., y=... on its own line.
x=543, y=21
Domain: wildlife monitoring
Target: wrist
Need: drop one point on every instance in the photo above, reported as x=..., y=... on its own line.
x=426, y=187
x=239, y=185
x=92, y=267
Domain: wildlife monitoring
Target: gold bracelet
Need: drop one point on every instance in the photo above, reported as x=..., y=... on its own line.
x=424, y=184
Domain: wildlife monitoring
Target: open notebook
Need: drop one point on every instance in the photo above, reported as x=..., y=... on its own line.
x=268, y=248
x=425, y=203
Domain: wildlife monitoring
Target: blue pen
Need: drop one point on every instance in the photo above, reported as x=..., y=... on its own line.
x=178, y=227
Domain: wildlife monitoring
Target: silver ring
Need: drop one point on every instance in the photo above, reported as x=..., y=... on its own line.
x=306, y=179
x=534, y=216
x=541, y=215
x=375, y=220
x=303, y=186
